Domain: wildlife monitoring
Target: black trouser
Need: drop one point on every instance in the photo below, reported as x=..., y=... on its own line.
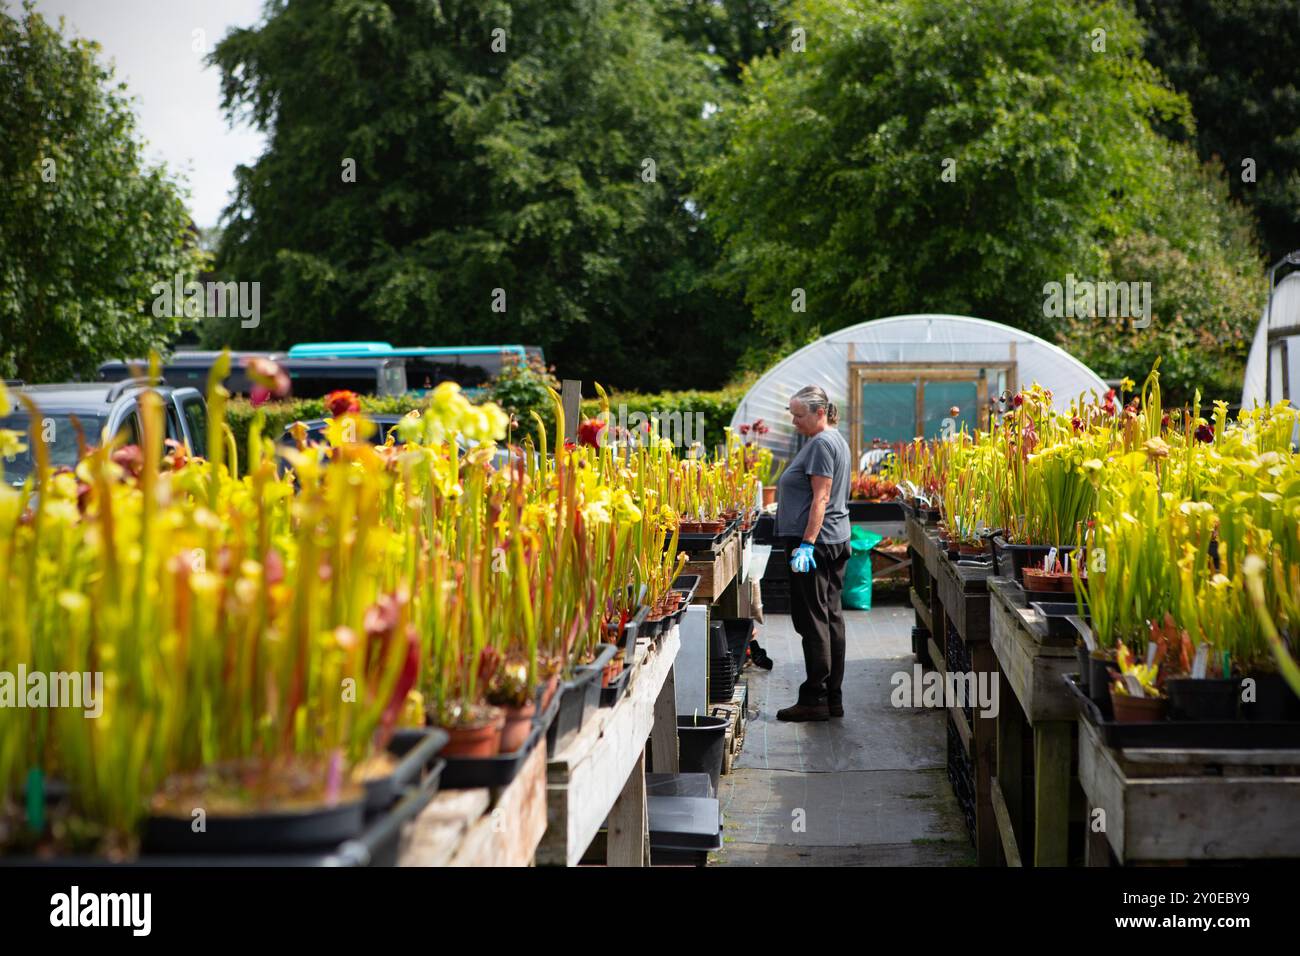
x=819, y=618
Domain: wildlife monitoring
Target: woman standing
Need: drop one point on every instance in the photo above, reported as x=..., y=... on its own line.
x=812, y=518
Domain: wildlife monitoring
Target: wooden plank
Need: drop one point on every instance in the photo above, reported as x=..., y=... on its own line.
x=1006, y=832
x=509, y=833
x=587, y=777
x=716, y=573
x=1052, y=741
x=1188, y=818
x=628, y=839
x=963, y=728
x=966, y=602
x=1034, y=671
x=434, y=836
x=936, y=656
x=922, y=610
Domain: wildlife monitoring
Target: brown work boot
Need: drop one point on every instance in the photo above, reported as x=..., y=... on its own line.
x=800, y=712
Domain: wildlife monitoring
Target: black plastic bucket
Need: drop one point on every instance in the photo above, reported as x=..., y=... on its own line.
x=701, y=742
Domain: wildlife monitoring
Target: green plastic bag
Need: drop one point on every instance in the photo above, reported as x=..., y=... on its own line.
x=857, y=573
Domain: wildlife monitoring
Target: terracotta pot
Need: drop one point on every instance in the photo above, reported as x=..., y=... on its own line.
x=1036, y=579
x=518, y=722
x=480, y=738
x=769, y=495
x=611, y=671
x=1132, y=710
x=548, y=690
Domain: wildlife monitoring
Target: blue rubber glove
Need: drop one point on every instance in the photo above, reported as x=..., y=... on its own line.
x=801, y=561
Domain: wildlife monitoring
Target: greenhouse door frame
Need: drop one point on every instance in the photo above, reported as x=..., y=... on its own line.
x=922, y=372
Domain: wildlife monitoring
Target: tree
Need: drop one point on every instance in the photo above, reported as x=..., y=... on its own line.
x=86, y=228
x=479, y=171
x=737, y=31
x=951, y=158
x=1236, y=61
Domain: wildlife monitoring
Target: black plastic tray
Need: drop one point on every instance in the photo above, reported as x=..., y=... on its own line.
x=463, y=773
x=699, y=541
x=379, y=844
x=609, y=696
x=1056, y=615
x=689, y=583
x=273, y=831
x=417, y=748
x=576, y=698
x=1185, y=734
x=860, y=511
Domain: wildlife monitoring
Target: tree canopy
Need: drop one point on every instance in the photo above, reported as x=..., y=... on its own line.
x=957, y=158
x=521, y=173
x=86, y=226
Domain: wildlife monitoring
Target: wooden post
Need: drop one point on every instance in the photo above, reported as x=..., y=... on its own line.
x=983, y=754
x=1011, y=728
x=1051, y=792
x=628, y=841
x=663, y=735
x=571, y=399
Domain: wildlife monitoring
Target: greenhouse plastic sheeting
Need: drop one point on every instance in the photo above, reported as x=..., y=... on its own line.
x=914, y=340
x=857, y=575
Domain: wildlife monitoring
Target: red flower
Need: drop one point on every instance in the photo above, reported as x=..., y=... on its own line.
x=269, y=380
x=1164, y=420
x=1110, y=395
x=342, y=403
x=589, y=432
x=130, y=458
x=1076, y=423
x=744, y=429
x=1204, y=433
x=1018, y=400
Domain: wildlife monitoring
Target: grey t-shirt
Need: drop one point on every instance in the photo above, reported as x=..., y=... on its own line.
x=826, y=454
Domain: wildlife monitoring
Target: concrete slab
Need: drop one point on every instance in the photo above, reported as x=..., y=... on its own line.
x=868, y=789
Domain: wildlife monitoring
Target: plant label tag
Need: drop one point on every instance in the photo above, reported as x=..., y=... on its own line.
x=1049, y=562
x=1151, y=653
x=1201, y=661
x=1134, y=686
x=1085, y=631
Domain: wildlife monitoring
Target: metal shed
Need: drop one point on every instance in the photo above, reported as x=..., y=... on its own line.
x=898, y=378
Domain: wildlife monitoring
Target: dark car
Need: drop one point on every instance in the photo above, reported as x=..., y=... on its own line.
x=101, y=410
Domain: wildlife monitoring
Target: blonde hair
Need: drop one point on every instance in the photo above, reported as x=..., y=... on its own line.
x=813, y=397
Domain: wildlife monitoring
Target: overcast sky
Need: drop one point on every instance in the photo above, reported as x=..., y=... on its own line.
x=177, y=98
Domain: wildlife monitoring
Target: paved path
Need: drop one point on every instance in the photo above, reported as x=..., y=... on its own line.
x=868, y=789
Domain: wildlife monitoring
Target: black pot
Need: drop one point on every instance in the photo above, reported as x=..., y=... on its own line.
x=270, y=832
x=1214, y=699
x=1085, y=670
x=701, y=742
x=1099, y=683
x=1274, y=699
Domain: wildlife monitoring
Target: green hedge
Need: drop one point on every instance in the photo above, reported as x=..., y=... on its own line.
x=715, y=407
x=239, y=414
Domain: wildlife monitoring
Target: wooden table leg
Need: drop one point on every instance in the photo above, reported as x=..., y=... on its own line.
x=628, y=841
x=663, y=735
x=984, y=755
x=1011, y=773
x=1051, y=792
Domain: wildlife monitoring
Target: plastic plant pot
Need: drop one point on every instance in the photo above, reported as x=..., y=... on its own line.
x=1191, y=699
x=701, y=743
x=1134, y=710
